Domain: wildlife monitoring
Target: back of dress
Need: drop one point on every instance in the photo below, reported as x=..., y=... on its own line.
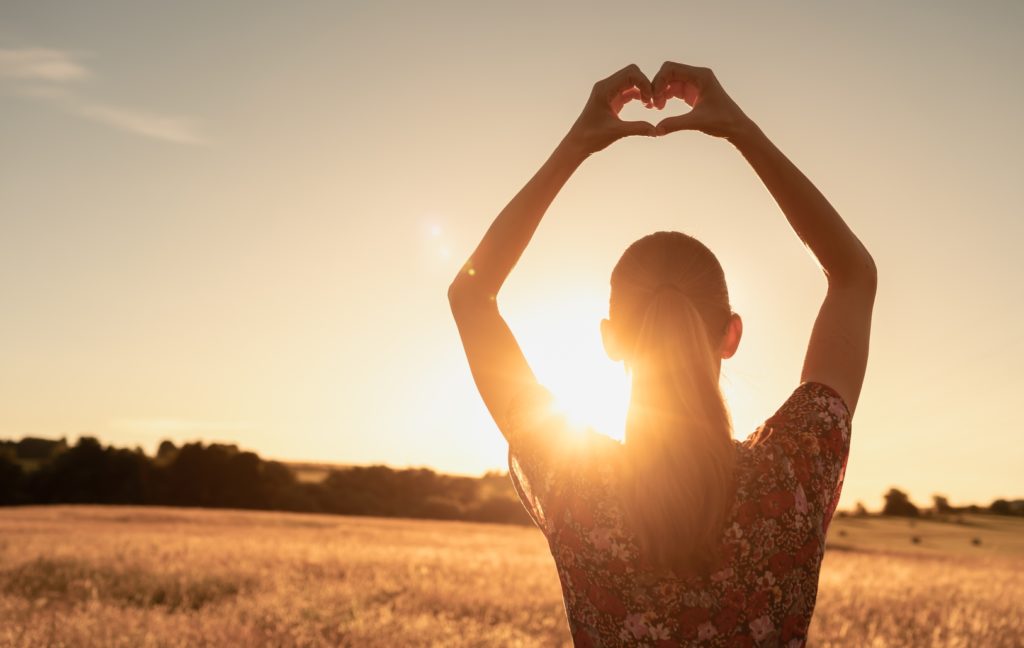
x=789, y=474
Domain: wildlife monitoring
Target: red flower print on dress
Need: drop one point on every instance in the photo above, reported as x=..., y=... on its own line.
x=792, y=626
x=581, y=639
x=781, y=563
x=835, y=441
x=636, y=626
x=581, y=511
x=735, y=598
x=800, y=499
x=807, y=551
x=747, y=513
x=775, y=504
x=761, y=627
x=801, y=468
x=605, y=601
x=758, y=603
x=727, y=618
x=577, y=577
x=691, y=618
x=617, y=566
x=570, y=540
x=741, y=641
x=705, y=631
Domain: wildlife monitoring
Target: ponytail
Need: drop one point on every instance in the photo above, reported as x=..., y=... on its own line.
x=679, y=470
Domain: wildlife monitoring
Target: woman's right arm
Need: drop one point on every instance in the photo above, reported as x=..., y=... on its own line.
x=838, y=349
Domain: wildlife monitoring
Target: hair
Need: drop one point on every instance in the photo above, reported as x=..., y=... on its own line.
x=671, y=308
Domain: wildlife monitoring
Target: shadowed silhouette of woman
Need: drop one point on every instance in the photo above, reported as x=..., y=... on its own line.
x=681, y=535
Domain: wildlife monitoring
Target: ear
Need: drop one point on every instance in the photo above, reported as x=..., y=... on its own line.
x=610, y=340
x=733, y=333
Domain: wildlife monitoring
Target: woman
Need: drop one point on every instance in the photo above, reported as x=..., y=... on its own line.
x=681, y=535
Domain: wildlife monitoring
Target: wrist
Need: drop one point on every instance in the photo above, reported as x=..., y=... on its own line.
x=745, y=134
x=572, y=149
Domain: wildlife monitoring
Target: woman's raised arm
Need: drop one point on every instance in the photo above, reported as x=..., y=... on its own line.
x=838, y=348
x=498, y=366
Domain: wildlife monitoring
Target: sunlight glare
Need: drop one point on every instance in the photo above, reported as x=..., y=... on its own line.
x=562, y=343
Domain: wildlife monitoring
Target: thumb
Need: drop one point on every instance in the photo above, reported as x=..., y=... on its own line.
x=627, y=128
x=677, y=123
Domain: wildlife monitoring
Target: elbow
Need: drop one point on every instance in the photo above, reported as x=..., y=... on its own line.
x=860, y=273
x=456, y=293
x=872, y=271
x=868, y=273
x=464, y=293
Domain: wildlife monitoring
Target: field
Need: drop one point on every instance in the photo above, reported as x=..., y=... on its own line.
x=123, y=576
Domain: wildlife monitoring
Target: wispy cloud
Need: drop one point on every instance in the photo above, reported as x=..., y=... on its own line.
x=53, y=75
x=161, y=127
x=40, y=64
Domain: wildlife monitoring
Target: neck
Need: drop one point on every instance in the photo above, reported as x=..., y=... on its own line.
x=650, y=399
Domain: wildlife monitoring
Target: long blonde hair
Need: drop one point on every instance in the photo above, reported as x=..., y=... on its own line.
x=671, y=308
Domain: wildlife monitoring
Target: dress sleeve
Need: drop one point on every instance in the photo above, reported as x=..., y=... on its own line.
x=540, y=440
x=810, y=435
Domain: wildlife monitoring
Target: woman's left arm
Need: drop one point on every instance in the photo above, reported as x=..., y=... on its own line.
x=497, y=363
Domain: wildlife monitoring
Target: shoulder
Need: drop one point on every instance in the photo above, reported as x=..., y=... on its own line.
x=812, y=398
x=533, y=416
x=811, y=407
x=551, y=452
x=800, y=452
x=530, y=406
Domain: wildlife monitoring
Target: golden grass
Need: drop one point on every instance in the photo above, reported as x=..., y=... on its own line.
x=125, y=576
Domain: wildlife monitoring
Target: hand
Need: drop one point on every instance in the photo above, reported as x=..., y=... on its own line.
x=599, y=124
x=714, y=112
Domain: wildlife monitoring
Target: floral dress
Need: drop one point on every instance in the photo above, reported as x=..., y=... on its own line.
x=762, y=590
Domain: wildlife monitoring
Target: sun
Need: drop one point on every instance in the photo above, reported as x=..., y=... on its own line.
x=562, y=343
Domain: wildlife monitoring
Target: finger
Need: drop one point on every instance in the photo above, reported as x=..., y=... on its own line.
x=640, y=81
x=671, y=73
x=627, y=128
x=677, y=123
x=624, y=98
x=689, y=93
x=672, y=90
x=684, y=90
x=628, y=77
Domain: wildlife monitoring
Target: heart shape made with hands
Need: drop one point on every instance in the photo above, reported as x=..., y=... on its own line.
x=606, y=117
x=637, y=111
x=629, y=106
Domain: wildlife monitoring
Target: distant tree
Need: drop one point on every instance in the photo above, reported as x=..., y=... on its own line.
x=166, y=451
x=942, y=504
x=11, y=481
x=198, y=475
x=898, y=503
x=499, y=509
x=1000, y=507
x=88, y=473
x=860, y=510
x=439, y=508
x=220, y=475
x=40, y=449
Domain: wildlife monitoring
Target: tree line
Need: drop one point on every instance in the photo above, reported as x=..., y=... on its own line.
x=42, y=471
x=898, y=503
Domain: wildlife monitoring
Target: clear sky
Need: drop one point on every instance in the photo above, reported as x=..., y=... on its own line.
x=237, y=221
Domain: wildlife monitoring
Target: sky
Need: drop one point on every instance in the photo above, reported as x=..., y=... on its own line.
x=237, y=221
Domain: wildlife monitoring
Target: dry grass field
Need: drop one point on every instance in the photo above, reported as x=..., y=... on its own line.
x=123, y=576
